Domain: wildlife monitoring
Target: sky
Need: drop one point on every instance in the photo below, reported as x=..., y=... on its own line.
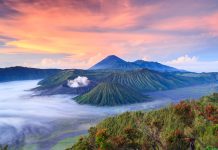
x=79, y=33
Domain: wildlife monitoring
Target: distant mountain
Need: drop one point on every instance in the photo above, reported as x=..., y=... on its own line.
x=115, y=63
x=154, y=66
x=24, y=73
x=110, y=94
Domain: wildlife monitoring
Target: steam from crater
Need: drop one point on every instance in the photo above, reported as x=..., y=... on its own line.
x=80, y=81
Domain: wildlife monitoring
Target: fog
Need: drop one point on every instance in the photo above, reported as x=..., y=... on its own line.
x=23, y=115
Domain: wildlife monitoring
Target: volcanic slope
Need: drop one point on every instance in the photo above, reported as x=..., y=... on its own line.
x=110, y=94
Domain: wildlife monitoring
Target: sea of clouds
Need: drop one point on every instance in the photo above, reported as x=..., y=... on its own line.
x=23, y=113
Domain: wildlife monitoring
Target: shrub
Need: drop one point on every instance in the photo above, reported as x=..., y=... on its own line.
x=184, y=111
x=177, y=140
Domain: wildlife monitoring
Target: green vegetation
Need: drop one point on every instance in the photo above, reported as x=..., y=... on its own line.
x=56, y=79
x=4, y=147
x=62, y=77
x=147, y=80
x=110, y=94
x=141, y=79
x=186, y=125
x=65, y=143
x=124, y=87
x=29, y=147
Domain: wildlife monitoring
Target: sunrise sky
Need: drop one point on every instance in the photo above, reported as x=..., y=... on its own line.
x=78, y=33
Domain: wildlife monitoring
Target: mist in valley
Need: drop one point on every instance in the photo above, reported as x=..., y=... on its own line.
x=44, y=120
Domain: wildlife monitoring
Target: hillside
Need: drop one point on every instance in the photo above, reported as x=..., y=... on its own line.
x=62, y=77
x=146, y=80
x=110, y=94
x=113, y=62
x=142, y=80
x=186, y=125
x=24, y=73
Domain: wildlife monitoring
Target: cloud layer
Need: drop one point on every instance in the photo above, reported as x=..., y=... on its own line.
x=85, y=31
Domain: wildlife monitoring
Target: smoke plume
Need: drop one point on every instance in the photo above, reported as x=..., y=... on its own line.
x=80, y=81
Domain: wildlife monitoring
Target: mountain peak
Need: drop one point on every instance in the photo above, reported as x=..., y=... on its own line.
x=110, y=62
x=112, y=58
x=113, y=62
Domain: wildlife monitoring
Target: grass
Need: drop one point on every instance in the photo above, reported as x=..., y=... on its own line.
x=65, y=143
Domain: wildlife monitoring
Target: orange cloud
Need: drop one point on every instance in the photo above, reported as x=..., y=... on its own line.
x=45, y=30
x=88, y=31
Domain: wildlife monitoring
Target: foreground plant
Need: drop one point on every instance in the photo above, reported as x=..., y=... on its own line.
x=186, y=125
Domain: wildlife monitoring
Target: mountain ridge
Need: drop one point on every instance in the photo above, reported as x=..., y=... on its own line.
x=155, y=66
x=25, y=73
x=113, y=62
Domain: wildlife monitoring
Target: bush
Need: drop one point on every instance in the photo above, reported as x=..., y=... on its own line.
x=177, y=140
x=175, y=127
x=184, y=111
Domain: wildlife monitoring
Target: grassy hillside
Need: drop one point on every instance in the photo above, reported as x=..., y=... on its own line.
x=127, y=86
x=141, y=79
x=185, y=125
x=147, y=80
x=110, y=94
x=62, y=77
x=56, y=79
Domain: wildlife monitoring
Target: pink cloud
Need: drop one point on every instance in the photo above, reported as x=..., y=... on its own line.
x=90, y=31
x=206, y=23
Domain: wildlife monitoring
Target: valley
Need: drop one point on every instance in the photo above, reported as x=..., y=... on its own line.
x=42, y=122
